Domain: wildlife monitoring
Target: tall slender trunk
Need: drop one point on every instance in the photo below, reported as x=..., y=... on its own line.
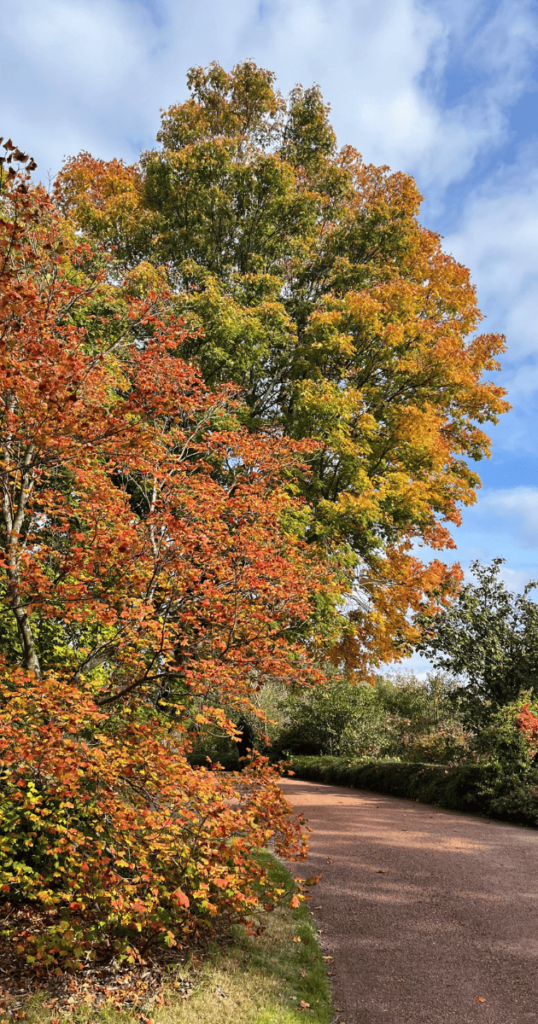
x=14, y=502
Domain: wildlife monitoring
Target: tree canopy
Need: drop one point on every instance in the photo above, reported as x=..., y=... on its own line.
x=488, y=637
x=305, y=277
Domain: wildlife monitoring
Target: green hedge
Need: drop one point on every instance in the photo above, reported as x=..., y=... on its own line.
x=480, y=788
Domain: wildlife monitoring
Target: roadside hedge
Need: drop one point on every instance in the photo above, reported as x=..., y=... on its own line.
x=480, y=788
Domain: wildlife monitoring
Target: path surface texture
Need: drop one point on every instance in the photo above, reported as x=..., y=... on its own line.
x=425, y=911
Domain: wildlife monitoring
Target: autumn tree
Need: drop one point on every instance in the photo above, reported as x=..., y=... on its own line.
x=153, y=571
x=309, y=281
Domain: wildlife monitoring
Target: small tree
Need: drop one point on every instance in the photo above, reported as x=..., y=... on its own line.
x=490, y=637
x=150, y=576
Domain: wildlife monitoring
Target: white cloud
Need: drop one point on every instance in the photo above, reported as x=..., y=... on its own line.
x=93, y=73
x=516, y=580
x=518, y=505
x=498, y=239
x=67, y=69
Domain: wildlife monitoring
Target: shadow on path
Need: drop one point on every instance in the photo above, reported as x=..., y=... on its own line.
x=424, y=910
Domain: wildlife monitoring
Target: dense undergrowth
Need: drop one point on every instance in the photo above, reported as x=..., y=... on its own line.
x=273, y=976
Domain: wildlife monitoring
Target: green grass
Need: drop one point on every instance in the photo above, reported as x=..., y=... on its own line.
x=257, y=980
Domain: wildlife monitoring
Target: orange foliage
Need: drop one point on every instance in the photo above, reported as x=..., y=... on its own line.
x=381, y=628
x=527, y=723
x=151, y=579
x=116, y=842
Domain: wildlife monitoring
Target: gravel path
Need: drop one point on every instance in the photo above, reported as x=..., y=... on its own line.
x=431, y=916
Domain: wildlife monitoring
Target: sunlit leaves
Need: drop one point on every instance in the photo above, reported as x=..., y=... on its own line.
x=315, y=288
x=151, y=573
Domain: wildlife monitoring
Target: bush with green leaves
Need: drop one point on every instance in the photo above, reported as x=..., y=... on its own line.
x=399, y=717
x=489, y=639
x=476, y=788
x=511, y=786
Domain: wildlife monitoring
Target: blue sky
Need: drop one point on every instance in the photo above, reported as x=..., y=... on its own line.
x=444, y=89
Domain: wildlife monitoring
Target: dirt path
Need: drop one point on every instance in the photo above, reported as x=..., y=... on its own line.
x=424, y=911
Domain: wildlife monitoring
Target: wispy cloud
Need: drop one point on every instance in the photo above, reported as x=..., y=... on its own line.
x=498, y=239
x=93, y=73
x=518, y=505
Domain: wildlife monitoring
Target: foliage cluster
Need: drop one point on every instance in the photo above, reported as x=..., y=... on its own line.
x=152, y=570
x=399, y=717
x=107, y=830
x=264, y=978
x=305, y=277
x=489, y=639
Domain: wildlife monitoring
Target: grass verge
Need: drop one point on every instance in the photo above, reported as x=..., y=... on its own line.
x=278, y=977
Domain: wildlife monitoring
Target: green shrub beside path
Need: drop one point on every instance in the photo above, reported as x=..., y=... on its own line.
x=477, y=788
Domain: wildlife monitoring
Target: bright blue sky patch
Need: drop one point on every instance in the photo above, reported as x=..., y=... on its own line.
x=444, y=89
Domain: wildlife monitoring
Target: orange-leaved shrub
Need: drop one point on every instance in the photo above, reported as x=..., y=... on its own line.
x=152, y=577
x=527, y=723
x=112, y=838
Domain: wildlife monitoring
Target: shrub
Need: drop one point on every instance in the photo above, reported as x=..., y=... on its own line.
x=399, y=717
x=506, y=746
x=480, y=788
x=333, y=719
x=110, y=842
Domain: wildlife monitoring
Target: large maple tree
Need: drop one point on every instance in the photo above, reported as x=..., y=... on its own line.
x=318, y=291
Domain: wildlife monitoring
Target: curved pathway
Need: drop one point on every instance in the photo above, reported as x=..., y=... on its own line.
x=431, y=916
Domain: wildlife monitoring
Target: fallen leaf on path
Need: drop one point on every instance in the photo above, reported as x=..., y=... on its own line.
x=313, y=880
x=327, y=958
x=480, y=1000
x=381, y=871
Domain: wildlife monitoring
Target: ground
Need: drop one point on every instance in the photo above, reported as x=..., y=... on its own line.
x=431, y=916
